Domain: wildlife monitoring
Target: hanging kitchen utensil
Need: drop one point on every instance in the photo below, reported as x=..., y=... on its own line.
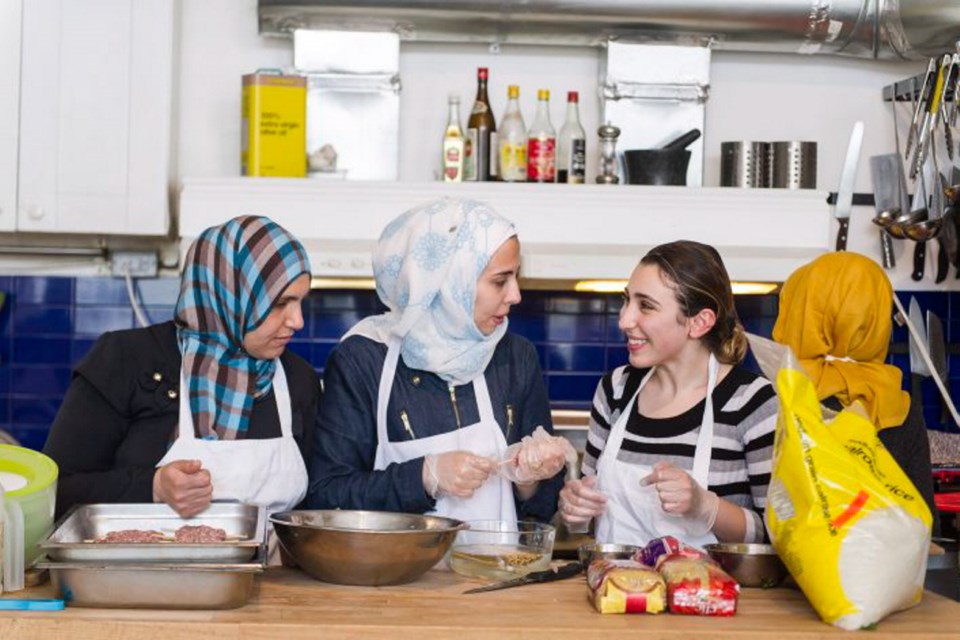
x=951, y=80
x=931, y=108
x=925, y=89
x=562, y=572
x=948, y=231
x=916, y=228
x=937, y=346
x=845, y=190
x=886, y=200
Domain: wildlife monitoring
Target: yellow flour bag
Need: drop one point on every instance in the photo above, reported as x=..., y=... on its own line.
x=848, y=523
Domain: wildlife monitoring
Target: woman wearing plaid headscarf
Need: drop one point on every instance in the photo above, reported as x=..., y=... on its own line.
x=208, y=406
x=422, y=403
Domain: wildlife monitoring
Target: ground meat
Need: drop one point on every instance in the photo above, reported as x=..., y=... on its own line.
x=128, y=536
x=202, y=533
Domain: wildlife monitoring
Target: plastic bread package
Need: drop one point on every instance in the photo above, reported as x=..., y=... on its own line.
x=625, y=586
x=698, y=586
x=665, y=546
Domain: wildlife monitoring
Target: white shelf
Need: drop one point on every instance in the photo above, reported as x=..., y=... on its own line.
x=566, y=232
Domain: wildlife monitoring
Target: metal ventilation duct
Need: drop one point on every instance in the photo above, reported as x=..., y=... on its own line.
x=887, y=29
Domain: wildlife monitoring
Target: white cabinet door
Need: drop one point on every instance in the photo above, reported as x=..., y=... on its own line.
x=96, y=96
x=9, y=110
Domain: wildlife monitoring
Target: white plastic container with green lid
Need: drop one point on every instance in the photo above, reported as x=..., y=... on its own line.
x=29, y=480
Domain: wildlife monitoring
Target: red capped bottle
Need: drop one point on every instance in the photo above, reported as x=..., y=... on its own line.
x=542, y=143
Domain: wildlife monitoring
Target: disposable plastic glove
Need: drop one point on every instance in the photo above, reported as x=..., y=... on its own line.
x=580, y=501
x=537, y=457
x=681, y=496
x=455, y=473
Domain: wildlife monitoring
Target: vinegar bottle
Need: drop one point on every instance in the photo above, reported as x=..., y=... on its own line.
x=512, y=141
x=572, y=145
x=453, y=142
x=542, y=143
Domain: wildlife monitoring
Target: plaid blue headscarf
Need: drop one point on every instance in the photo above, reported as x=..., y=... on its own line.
x=426, y=264
x=232, y=275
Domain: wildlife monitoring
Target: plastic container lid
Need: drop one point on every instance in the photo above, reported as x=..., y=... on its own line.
x=39, y=470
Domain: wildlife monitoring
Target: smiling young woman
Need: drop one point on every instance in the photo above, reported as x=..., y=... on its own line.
x=681, y=438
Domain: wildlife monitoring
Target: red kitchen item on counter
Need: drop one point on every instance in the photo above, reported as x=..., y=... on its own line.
x=949, y=502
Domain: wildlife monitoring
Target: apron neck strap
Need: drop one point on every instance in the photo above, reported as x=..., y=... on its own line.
x=704, y=448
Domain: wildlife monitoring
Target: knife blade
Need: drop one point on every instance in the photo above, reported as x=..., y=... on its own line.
x=917, y=340
x=848, y=176
x=562, y=572
x=917, y=363
x=937, y=346
x=889, y=185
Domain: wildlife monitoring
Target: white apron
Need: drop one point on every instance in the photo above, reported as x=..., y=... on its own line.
x=494, y=499
x=269, y=473
x=634, y=514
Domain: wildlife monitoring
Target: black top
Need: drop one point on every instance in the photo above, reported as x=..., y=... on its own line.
x=119, y=415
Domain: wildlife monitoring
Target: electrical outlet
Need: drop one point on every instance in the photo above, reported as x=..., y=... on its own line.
x=138, y=264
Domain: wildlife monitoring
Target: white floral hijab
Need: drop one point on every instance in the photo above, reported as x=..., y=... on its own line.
x=426, y=264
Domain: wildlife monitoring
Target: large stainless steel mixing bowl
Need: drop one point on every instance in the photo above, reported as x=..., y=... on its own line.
x=752, y=565
x=369, y=548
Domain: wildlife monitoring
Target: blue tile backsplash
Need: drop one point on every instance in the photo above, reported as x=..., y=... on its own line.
x=49, y=324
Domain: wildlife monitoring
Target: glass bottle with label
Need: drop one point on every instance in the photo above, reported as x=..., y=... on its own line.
x=512, y=140
x=480, y=128
x=453, y=142
x=572, y=145
x=542, y=143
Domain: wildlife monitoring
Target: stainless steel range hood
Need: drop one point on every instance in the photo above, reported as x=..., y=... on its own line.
x=887, y=29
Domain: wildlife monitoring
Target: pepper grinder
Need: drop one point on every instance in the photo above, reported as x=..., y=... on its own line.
x=608, y=154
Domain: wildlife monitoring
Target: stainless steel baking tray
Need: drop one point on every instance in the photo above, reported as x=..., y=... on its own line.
x=153, y=586
x=70, y=541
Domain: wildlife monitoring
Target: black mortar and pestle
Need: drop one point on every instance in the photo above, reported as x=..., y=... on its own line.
x=664, y=166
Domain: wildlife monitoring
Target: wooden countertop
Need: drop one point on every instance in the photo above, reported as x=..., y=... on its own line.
x=288, y=604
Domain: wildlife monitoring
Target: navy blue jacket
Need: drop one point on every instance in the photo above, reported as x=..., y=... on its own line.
x=345, y=436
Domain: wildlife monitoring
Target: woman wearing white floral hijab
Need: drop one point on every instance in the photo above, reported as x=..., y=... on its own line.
x=422, y=402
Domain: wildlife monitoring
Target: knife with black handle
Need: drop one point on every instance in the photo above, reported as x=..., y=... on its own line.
x=943, y=263
x=562, y=572
x=848, y=176
x=919, y=257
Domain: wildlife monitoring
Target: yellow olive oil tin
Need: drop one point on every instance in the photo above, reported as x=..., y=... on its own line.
x=274, y=139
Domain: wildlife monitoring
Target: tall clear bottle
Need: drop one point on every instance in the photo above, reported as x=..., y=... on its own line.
x=572, y=145
x=453, y=142
x=512, y=140
x=480, y=128
x=542, y=143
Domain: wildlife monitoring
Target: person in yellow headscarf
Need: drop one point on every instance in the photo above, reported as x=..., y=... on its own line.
x=835, y=314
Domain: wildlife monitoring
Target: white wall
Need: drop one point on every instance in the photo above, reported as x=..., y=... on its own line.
x=753, y=96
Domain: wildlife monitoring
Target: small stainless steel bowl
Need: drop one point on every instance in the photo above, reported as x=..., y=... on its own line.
x=369, y=548
x=589, y=553
x=752, y=565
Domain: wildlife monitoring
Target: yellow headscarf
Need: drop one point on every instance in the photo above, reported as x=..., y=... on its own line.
x=840, y=305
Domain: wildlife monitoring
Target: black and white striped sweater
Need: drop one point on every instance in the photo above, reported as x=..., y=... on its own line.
x=745, y=417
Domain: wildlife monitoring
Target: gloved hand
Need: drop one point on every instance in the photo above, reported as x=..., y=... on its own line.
x=580, y=501
x=455, y=473
x=184, y=485
x=681, y=496
x=537, y=457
